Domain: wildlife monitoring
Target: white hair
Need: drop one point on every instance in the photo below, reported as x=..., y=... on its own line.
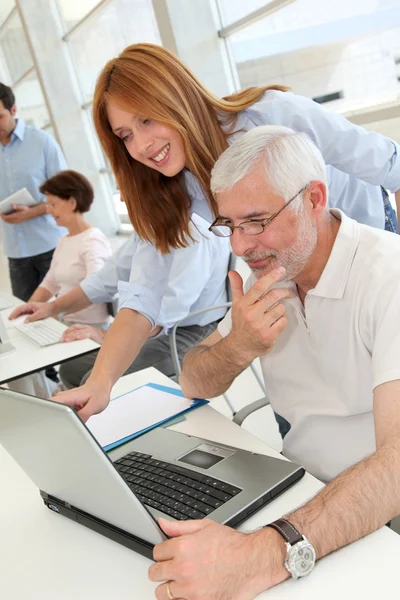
x=289, y=159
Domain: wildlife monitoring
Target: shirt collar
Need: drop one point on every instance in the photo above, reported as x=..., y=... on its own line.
x=19, y=130
x=333, y=281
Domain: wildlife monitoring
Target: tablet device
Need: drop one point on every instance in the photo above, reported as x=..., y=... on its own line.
x=21, y=197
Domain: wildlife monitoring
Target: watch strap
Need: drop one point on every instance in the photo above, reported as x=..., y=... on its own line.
x=287, y=531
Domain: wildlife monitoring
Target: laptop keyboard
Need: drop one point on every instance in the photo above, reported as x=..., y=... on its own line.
x=173, y=490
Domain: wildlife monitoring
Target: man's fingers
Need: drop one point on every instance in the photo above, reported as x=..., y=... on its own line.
x=261, y=287
x=273, y=298
x=162, y=591
x=177, y=528
x=236, y=285
x=278, y=326
x=274, y=322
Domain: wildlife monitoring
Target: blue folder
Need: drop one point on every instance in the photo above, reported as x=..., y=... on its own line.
x=196, y=402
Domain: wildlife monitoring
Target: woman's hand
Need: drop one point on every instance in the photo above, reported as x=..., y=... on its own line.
x=82, y=332
x=89, y=399
x=37, y=310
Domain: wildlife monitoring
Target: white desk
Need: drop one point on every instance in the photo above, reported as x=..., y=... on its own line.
x=47, y=557
x=29, y=358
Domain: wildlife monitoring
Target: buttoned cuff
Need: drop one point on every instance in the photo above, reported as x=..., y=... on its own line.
x=141, y=299
x=96, y=296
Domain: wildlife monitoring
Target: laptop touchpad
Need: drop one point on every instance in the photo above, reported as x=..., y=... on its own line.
x=205, y=456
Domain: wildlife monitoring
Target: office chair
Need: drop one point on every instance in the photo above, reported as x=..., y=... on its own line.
x=241, y=415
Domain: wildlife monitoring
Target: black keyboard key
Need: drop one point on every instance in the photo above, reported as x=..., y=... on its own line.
x=185, y=472
x=151, y=503
x=172, y=489
x=214, y=502
x=195, y=514
x=209, y=481
x=206, y=509
x=229, y=489
x=221, y=495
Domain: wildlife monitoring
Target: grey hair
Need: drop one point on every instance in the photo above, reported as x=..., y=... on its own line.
x=289, y=160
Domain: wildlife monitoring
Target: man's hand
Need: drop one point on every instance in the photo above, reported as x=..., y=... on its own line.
x=89, y=399
x=37, y=310
x=20, y=215
x=82, y=332
x=258, y=316
x=204, y=560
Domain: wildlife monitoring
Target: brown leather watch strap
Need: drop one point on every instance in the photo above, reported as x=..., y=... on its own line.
x=287, y=531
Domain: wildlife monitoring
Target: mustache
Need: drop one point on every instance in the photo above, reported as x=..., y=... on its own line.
x=256, y=256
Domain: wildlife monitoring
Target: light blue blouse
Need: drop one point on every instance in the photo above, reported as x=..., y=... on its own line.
x=203, y=263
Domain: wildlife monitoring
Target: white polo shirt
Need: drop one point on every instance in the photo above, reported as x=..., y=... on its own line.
x=336, y=349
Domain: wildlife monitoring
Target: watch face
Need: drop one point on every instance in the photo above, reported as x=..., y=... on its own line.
x=300, y=559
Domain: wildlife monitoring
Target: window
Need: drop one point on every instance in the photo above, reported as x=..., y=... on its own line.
x=75, y=10
x=118, y=24
x=319, y=47
x=106, y=170
x=233, y=10
x=6, y=7
x=30, y=102
x=15, y=48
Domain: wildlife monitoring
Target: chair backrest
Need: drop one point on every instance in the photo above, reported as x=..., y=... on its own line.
x=112, y=307
x=231, y=267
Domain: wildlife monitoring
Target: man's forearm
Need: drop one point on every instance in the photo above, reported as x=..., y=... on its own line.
x=208, y=371
x=122, y=344
x=37, y=210
x=354, y=504
x=72, y=301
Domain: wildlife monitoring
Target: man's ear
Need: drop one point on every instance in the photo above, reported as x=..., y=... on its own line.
x=13, y=110
x=318, y=196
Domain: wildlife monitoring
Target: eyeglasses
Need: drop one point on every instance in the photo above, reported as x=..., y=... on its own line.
x=248, y=227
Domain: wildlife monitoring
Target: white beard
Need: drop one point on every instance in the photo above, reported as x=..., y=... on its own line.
x=293, y=258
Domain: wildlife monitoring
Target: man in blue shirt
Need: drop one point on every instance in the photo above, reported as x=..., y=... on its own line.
x=28, y=157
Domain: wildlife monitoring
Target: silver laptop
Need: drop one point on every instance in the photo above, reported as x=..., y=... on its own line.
x=121, y=494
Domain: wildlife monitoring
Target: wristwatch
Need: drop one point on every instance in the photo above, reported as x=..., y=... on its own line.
x=301, y=556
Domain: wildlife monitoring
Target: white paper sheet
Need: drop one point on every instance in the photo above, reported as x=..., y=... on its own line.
x=133, y=412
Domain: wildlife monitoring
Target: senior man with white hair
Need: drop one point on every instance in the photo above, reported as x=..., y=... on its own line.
x=321, y=310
